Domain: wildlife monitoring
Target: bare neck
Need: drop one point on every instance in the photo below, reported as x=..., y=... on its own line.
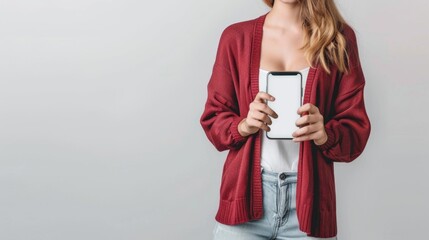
x=285, y=15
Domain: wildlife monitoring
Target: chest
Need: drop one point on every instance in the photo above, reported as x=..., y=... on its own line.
x=280, y=51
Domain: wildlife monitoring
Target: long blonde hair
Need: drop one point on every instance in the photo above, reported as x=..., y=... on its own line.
x=324, y=42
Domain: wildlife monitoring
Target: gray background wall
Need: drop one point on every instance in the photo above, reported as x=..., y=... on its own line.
x=99, y=126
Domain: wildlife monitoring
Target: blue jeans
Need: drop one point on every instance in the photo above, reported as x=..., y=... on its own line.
x=279, y=221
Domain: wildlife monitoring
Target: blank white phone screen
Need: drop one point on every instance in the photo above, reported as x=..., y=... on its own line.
x=286, y=87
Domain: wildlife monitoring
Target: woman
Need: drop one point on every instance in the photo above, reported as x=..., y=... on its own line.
x=279, y=189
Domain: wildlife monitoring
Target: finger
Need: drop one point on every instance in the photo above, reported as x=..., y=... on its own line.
x=256, y=123
x=263, y=107
x=262, y=117
x=262, y=97
x=309, y=129
x=308, y=107
x=311, y=136
x=308, y=119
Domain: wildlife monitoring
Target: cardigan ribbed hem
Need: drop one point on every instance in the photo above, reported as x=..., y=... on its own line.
x=325, y=230
x=328, y=230
x=233, y=212
x=303, y=214
x=256, y=201
x=256, y=204
x=327, y=221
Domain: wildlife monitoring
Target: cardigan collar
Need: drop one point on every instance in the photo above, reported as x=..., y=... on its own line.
x=256, y=59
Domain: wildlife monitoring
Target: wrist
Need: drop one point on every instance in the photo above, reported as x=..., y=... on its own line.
x=323, y=140
x=242, y=128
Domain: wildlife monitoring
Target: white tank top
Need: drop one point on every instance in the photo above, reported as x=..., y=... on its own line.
x=279, y=155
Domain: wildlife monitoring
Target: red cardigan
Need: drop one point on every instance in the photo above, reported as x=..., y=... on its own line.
x=234, y=84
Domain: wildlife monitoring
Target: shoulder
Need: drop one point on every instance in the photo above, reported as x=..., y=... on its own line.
x=351, y=43
x=349, y=33
x=242, y=27
x=239, y=30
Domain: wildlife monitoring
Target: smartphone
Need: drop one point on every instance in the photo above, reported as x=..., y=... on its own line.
x=287, y=89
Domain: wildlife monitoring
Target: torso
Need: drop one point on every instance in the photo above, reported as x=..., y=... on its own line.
x=280, y=52
x=280, y=49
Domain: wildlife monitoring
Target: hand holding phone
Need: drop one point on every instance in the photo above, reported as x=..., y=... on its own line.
x=259, y=115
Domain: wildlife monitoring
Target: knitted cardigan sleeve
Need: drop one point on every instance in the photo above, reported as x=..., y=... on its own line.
x=221, y=115
x=349, y=128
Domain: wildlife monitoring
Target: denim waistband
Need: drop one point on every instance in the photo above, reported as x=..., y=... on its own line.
x=278, y=177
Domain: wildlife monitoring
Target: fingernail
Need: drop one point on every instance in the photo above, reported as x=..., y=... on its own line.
x=272, y=98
